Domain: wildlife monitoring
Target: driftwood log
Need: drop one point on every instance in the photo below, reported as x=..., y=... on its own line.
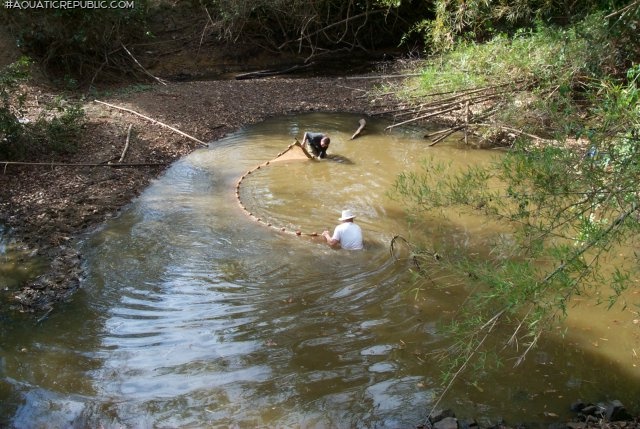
x=363, y=123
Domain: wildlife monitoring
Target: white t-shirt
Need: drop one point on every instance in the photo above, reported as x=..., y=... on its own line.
x=349, y=235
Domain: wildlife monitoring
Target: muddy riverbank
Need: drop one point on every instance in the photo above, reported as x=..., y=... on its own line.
x=45, y=208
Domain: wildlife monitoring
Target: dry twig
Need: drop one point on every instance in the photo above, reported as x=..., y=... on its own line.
x=153, y=121
x=143, y=69
x=126, y=144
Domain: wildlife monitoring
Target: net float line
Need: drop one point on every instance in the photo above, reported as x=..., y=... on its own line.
x=260, y=220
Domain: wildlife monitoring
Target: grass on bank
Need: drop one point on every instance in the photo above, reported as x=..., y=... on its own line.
x=569, y=207
x=546, y=75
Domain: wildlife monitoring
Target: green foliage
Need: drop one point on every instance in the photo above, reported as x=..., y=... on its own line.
x=12, y=103
x=58, y=127
x=541, y=76
x=546, y=56
x=570, y=208
x=77, y=44
x=54, y=129
x=480, y=20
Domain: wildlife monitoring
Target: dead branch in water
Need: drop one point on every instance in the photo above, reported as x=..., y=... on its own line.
x=470, y=122
x=468, y=110
x=466, y=123
x=446, y=134
x=440, y=112
x=363, y=123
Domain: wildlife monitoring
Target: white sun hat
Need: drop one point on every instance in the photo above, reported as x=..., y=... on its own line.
x=346, y=214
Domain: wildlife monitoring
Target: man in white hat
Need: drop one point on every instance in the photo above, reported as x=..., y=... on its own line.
x=347, y=234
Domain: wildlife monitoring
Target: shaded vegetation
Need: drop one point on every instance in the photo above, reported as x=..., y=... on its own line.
x=78, y=44
x=84, y=46
x=315, y=28
x=53, y=130
x=566, y=193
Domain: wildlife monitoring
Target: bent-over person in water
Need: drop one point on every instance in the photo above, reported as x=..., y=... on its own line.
x=316, y=144
x=347, y=234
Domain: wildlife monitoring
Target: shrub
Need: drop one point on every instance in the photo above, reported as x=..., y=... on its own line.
x=54, y=129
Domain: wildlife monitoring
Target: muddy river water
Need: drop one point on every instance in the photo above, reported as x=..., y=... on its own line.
x=194, y=315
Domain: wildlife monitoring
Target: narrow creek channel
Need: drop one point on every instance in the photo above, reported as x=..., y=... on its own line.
x=194, y=315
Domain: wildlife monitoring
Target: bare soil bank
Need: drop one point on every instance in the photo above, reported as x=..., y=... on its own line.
x=47, y=207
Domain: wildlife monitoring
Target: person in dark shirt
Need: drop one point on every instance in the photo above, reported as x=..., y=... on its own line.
x=316, y=144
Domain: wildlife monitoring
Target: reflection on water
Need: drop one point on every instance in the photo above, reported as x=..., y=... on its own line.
x=193, y=315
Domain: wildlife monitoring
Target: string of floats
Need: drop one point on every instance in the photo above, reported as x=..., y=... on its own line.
x=283, y=229
x=260, y=220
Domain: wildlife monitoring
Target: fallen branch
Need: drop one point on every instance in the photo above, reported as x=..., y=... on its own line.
x=520, y=132
x=267, y=73
x=451, y=109
x=458, y=93
x=410, y=109
x=363, y=123
x=442, y=131
x=384, y=76
x=140, y=65
x=81, y=164
x=454, y=102
x=623, y=10
x=488, y=94
x=154, y=121
x=445, y=135
x=466, y=123
x=458, y=127
x=126, y=144
x=204, y=29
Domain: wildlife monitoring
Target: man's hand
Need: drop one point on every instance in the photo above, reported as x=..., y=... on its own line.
x=330, y=240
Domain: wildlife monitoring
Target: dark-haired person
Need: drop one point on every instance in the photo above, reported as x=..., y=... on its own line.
x=316, y=144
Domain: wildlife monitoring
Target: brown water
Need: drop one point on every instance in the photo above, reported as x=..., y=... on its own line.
x=193, y=315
